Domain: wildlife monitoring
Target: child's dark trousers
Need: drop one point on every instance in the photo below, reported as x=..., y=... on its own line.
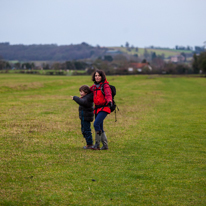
x=86, y=131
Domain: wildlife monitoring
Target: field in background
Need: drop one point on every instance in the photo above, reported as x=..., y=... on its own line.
x=166, y=52
x=157, y=147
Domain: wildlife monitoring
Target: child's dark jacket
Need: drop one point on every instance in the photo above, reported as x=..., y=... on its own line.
x=85, y=107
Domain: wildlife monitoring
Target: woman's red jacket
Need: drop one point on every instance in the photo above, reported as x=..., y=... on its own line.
x=100, y=99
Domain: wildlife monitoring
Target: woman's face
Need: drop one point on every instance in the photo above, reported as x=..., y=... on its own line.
x=97, y=77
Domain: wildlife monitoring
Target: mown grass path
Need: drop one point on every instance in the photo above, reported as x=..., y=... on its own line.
x=157, y=147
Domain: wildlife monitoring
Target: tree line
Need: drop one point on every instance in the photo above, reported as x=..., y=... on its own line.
x=49, y=52
x=113, y=65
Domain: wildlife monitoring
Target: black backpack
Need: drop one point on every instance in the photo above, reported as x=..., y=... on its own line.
x=114, y=106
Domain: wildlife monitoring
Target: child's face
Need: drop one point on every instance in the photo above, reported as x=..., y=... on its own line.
x=82, y=93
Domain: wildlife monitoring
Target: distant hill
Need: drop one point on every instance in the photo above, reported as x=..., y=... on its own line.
x=53, y=52
x=140, y=51
x=49, y=52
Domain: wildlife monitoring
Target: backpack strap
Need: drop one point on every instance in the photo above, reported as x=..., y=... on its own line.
x=116, y=113
x=100, y=106
x=102, y=88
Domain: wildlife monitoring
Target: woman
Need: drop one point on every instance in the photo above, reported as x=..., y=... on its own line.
x=102, y=102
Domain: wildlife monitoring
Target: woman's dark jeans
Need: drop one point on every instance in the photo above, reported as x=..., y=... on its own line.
x=98, y=123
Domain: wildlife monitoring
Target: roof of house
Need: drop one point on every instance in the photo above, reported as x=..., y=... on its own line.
x=138, y=65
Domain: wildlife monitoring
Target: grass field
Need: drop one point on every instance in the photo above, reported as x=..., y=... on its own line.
x=43, y=72
x=157, y=147
x=166, y=52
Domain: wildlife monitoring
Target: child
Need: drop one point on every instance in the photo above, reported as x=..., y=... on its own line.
x=85, y=113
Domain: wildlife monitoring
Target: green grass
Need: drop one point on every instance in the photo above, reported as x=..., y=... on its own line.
x=42, y=72
x=157, y=147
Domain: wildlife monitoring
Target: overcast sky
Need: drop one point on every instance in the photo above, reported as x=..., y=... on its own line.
x=142, y=23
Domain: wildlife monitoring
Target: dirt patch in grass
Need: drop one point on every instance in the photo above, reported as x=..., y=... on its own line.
x=20, y=87
x=44, y=97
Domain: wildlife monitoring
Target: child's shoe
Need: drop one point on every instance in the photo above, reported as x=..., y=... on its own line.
x=88, y=147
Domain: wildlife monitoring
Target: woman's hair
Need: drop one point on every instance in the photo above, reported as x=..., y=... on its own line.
x=85, y=88
x=101, y=73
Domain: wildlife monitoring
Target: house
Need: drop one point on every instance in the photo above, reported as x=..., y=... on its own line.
x=139, y=66
x=130, y=69
x=177, y=58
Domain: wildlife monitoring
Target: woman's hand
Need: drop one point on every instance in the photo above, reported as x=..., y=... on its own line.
x=110, y=104
x=71, y=97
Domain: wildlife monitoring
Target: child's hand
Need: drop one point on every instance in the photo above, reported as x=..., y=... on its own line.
x=71, y=97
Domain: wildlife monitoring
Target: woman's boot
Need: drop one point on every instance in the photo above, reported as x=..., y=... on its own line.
x=98, y=135
x=104, y=141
